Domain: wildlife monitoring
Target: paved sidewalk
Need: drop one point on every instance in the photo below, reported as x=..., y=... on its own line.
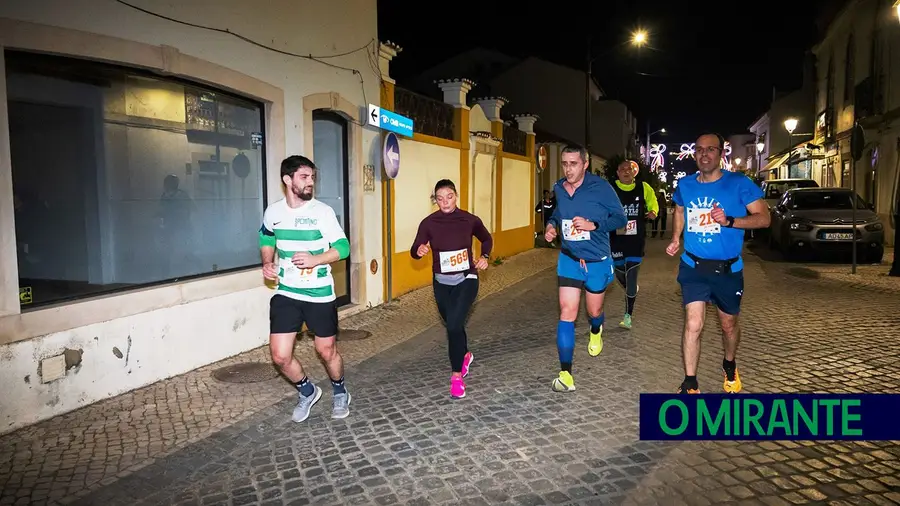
x=72, y=454
x=513, y=441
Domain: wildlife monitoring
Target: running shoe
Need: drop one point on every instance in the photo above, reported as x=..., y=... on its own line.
x=457, y=387
x=595, y=345
x=564, y=383
x=734, y=385
x=301, y=412
x=684, y=390
x=340, y=406
x=467, y=362
x=626, y=322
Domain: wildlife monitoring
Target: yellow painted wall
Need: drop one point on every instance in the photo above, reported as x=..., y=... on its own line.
x=517, y=234
x=422, y=165
x=482, y=188
x=516, y=200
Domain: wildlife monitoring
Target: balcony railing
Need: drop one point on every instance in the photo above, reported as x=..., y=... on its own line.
x=514, y=140
x=430, y=116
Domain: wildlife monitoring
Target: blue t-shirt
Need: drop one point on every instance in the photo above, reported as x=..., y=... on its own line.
x=703, y=237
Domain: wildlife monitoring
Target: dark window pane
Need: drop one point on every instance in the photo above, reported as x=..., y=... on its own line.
x=123, y=179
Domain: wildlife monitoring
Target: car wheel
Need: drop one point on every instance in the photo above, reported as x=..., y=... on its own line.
x=874, y=255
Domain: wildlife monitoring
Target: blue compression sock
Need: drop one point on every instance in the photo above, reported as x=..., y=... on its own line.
x=596, y=323
x=565, y=344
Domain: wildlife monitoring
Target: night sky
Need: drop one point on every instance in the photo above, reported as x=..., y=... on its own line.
x=712, y=64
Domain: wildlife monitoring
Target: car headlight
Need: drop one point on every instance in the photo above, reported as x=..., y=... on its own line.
x=875, y=227
x=800, y=226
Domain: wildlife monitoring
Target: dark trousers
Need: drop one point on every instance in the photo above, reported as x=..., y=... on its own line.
x=659, y=224
x=454, y=303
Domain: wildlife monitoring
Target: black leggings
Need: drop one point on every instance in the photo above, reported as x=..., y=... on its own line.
x=454, y=303
x=628, y=277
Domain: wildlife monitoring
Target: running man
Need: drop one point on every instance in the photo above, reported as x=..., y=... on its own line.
x=717, y=206
x=627, y=243
x=308, y=238
x=587, y=210
x=449, y=232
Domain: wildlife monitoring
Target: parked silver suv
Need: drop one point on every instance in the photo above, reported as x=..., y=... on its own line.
x=820, y=220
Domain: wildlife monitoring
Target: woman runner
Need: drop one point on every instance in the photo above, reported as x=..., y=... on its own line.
x=448, y=232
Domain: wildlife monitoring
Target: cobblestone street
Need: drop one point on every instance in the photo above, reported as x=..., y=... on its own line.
x=192, y=440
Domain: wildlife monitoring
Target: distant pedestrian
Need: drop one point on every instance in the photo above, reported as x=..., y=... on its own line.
x=717, y=206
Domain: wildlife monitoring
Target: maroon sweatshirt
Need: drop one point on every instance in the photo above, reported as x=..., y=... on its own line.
x=450, y=236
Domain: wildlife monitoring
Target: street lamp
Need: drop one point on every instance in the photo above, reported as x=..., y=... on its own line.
x=649, y=133
x=760, y=146
x=639, y=38
x=790, y=125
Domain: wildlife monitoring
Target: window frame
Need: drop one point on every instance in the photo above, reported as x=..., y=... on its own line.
x=125, y=71
x=162, y=60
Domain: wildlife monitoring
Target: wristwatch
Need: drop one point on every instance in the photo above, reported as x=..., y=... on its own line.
x=730, y=220
x=485, y=256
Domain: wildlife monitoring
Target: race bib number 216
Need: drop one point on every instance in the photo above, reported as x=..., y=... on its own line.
x=700, y=221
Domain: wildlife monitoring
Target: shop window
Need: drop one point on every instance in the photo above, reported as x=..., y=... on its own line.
x=123, y=179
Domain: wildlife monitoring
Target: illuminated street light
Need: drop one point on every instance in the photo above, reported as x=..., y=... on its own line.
x=639, y=38
x=790, y=125
x=663, y=130
x=760, y=146
x=737, y=161
x=897, y=8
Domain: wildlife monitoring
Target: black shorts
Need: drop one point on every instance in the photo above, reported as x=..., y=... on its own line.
x=287, y=316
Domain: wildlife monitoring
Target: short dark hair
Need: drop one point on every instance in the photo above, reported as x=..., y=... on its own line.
x=717, y=136
x=444, y=183
x=575, y=148
x=290, y=165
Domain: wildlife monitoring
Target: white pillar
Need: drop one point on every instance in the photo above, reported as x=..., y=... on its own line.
x=386, y=52
x=526, y=122
x=491, y=107
x=456, y=91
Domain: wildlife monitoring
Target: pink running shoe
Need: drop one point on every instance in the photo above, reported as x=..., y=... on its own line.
x=457, y=387
x=467, y=362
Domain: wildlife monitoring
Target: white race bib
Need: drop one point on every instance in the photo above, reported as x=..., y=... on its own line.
x=454, y=261
x=700, y=221
x=569, y=233
x=630, y=228
x=295, y=275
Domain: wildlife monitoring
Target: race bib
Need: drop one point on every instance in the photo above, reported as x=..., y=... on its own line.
x=454, y=261
x=569, y=233
x=700, y=221
x=296, y=275
x=630, y=228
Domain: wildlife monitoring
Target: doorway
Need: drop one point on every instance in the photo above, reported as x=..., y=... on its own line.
x=331, y=156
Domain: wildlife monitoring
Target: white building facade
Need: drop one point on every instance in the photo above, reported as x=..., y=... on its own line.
x=858, y=76
x=137, y=154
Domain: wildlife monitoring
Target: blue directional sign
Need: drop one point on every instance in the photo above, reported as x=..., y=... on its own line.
x=391, y=155
x=390, y=121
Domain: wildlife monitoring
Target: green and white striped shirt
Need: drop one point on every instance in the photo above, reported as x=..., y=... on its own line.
x=312, y=227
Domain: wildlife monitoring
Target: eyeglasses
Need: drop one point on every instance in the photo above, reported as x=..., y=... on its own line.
x=711, y=149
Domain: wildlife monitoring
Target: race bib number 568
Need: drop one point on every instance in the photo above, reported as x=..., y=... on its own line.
x=454, y=261
x=700, y=221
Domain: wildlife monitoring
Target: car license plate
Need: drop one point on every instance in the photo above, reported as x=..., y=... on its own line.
x=836, y=236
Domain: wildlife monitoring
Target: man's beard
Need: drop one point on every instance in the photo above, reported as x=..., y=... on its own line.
x=303, y=194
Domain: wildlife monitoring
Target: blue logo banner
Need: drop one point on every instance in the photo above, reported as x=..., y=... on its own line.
x=870, y=417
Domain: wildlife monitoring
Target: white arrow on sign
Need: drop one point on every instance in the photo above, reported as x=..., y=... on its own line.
x=392, y=156
x=373, y=117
